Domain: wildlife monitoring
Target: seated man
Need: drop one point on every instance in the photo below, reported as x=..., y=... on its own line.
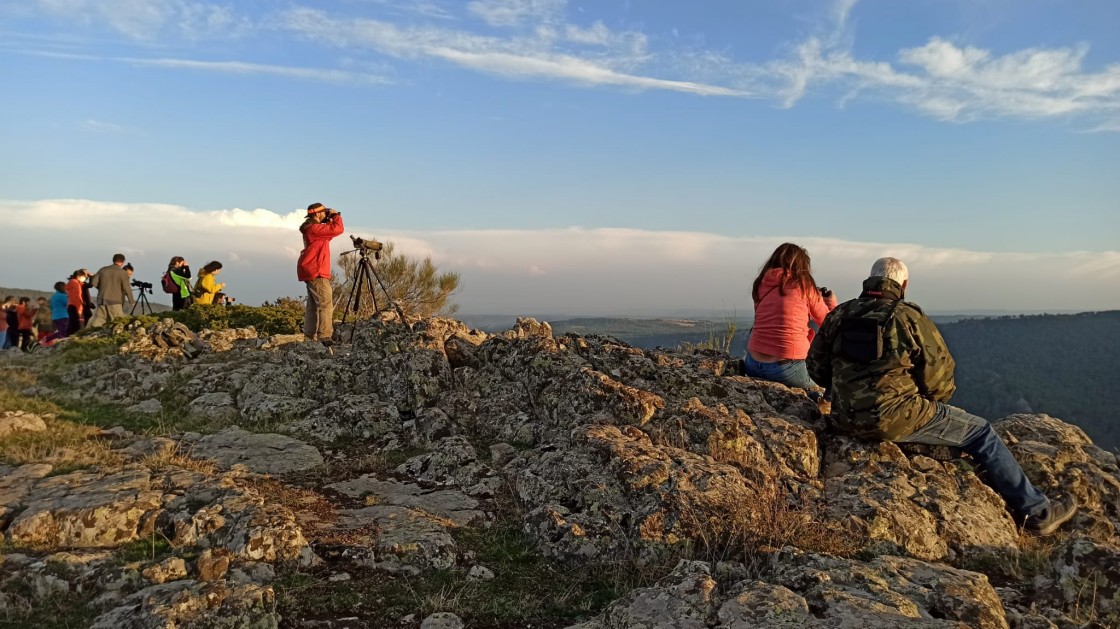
x=891, y=376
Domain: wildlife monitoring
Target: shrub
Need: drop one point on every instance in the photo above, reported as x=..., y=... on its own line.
x=286, y=317
x=417, y=286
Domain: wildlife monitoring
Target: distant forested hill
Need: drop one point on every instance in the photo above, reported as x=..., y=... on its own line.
x=1065, y=365
x=650, y=333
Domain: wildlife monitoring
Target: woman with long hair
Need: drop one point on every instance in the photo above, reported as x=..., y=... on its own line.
x=180, y=275
x=786, y=302
x=207, y=286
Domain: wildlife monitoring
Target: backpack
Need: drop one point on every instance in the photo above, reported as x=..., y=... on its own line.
x=861, y=338
x=169, y=285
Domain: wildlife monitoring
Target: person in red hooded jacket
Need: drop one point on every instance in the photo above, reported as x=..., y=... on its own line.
x=786, y=301
x=314, y=269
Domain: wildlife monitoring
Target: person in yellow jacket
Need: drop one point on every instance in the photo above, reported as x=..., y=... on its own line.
x=207, y=284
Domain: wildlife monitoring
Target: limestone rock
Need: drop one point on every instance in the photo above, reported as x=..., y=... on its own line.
x=218, y=405
x=481, y=573
x=20, y=421
x=442, y=620
x=147, y=407
x=15, y=484
x=225, y=340
x=811, y=591
x=188, y=603
x=404, y=536
x=166, y=339
x=1088, y=575
x=350, y=416
x=212, y=565
x=266, y=407
x=262, y=453
x=1059, y=457
x=454, y=506
x=927, y=509
x=85, y=510
x=170, y=569
x=684, y=599
x=452, y=461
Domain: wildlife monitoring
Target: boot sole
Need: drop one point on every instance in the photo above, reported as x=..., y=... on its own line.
x=1053, y=526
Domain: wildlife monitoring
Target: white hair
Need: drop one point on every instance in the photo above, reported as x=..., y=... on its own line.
x=890, y=268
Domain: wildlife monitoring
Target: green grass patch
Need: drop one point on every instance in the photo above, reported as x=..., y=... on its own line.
x=528, y=588
x=56, y=611
x=152, y=549
x=284, y=318
x=82, y=349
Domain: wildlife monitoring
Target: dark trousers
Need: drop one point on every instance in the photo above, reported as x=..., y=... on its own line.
x=25, y=337
x=178, y=302
x=75, y=322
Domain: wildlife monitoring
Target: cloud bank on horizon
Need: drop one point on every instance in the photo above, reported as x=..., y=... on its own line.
x=574, y=270
x=558, y=41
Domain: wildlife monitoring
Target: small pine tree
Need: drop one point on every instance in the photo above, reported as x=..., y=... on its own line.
x=417, y=286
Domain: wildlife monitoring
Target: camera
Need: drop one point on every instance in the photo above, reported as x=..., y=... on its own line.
x=366, y=244
x=143, y=286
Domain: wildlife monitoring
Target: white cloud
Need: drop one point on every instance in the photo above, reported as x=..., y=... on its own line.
x=240, y=67
x=100, y=126
x=566, y=270
x=942, y=77
x=146, y=19
x=537, y=56
x=516, y=12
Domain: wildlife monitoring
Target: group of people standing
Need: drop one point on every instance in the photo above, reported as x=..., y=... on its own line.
x=73, y=307
x=885, y=371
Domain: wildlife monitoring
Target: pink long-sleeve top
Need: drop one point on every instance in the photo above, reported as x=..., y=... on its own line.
x=781, y=322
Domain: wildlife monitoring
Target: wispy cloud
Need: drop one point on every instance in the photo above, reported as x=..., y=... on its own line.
x=516, y=12
x=147, y=19
x=100, y=126
x=241, y=67
x=942, y=77
x=592, y=271
x=539, y=55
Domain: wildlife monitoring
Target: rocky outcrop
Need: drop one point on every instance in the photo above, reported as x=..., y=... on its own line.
x=602, y=450
x=263, y=453
x=85, y=510
x=182, y=604
x=813, y=591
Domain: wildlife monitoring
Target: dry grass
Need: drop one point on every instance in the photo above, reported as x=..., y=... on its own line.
x=728, y=530
x=177, y=458
x=65, y=444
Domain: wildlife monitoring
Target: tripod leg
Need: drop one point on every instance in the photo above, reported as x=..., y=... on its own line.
x=395, y=305
x=367, y=272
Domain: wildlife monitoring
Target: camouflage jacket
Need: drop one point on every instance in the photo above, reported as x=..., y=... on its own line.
x=885, y=362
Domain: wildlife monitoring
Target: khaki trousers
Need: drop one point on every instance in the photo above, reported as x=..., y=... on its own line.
x=105, y=314
x=318, y=319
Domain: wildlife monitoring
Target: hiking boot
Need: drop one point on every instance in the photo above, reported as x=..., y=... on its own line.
x=1055, y=515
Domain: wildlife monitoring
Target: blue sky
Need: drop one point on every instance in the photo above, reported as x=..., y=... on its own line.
x=584, y=158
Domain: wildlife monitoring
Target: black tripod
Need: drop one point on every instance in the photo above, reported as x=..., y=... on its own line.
x=142, y=301
x=363, y=280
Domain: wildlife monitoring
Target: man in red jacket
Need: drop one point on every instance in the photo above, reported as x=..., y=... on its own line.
x=314, y=269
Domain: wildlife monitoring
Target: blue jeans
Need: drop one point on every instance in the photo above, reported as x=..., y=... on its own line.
x=954, y=427
x=792, y=373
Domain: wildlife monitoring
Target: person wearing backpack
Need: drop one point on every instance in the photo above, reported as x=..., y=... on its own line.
x=207, y=286
x=177, y=282
x=891, y=377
